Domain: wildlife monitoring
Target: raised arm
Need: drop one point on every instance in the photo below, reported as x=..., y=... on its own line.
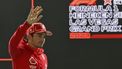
x=21, y=31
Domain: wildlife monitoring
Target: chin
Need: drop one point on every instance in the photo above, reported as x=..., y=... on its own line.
x=39, y=46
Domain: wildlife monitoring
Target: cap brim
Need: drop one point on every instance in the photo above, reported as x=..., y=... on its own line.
x=49, y=33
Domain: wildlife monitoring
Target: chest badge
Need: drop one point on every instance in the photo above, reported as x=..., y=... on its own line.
x=32, y=61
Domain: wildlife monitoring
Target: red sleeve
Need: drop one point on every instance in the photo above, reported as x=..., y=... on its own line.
x=17, y=36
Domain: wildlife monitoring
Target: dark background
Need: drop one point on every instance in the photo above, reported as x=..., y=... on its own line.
x=62, y=52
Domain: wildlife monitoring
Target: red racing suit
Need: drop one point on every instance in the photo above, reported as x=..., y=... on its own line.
x=23, y=56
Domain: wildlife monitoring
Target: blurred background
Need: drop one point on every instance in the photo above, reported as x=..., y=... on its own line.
x=62, y=52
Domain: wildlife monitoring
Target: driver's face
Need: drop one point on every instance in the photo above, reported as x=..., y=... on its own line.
x=38, y=39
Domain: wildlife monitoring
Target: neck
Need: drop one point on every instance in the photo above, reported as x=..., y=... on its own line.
x=31, y=45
